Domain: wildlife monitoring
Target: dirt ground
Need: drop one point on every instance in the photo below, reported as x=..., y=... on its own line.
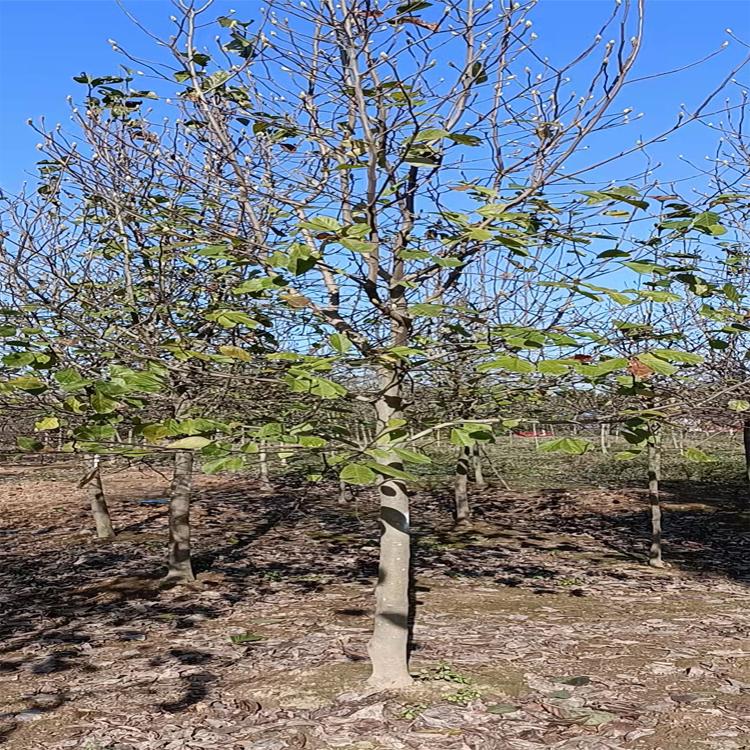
x=539, y=628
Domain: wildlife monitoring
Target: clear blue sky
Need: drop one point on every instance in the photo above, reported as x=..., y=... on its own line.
x=43, y=43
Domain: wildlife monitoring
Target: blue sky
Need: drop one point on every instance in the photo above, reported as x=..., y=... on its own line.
x=44, y=43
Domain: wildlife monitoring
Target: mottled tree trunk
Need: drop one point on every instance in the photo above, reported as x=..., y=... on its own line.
x=603, y=438
x=180, y=566
x=388, y=647
x=462, y=509
x=265, y=481
x=478, y=473
x=654, y=472
x=345, y=494
x=99, y=508
x=746, y=443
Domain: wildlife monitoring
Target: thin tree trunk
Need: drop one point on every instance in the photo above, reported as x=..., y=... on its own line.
x=603, y=438
x=462, y=508
x=180, y=566
x=99, y=508
x=654, y=472
x=478, y=473
x=344, y=493
x=746, y=444
x=265, y=482
x=388, y=647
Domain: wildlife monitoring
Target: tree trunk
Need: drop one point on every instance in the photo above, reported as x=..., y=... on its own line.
x=388, y=647
x=746, y=443
x=654, y=471
x=603, y=438
x=180, y=566
x=462, y=508
x=99, y=508
x=265, y=482
x=344, y=494
x=478, y=473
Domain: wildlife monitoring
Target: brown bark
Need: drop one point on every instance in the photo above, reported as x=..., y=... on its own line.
x=99, y=508
x=654, y=473
x=462, y=509
x=388, y=647
x=180, y=565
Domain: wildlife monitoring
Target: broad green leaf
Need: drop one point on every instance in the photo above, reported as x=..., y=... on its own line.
x=357, y=474
x=657, y=364
x=101, y=404
x=627, y=455
x=411, y=456
x=425, y=310
x=340, y=343
x=739, y=405
x=47, y=423
x=226, y=463
x=194, y=442
x=674, y=355
x=571, y=445
x=430, y=134
x=27, y=383
x=235, y=352
x=509, y=363
x=391, y=471
x=697, y=456
x=321, y=223
x=552, y=367
x=29, y=444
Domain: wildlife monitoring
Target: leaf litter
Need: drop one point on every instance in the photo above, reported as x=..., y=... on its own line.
x=537, y=628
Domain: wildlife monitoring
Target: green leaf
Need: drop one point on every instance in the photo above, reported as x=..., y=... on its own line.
x=657, y=364
x=391, y=471
x=461, y=437
x=340, y=343
x=553, y=367
x=71, y=380
x=425, y=310
x=235, y=352
x=357, y=474
x=101, y=404
x=430, y=134
x=321, y=223
x=627, y=455
x=697, y=456
x=226, y=463
x=412, y=6
x=509, y=363
x=739, y=405
x=570, y=445
x=674, y=355
x=29, y=444
x=640, y=267
x=47, y=423
x=27, y=383
x=194, y=442
x=411, y=456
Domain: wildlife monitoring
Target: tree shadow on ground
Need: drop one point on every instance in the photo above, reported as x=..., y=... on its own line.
x=64, y=596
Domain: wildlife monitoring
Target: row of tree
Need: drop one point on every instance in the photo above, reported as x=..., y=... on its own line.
x=317, y=235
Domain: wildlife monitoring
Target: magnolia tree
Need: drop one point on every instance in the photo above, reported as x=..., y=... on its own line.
x=332, y=164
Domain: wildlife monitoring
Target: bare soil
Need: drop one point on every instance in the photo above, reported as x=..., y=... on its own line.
x=540, y=627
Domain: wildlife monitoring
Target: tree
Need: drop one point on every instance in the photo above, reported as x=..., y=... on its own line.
x=336, y=163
